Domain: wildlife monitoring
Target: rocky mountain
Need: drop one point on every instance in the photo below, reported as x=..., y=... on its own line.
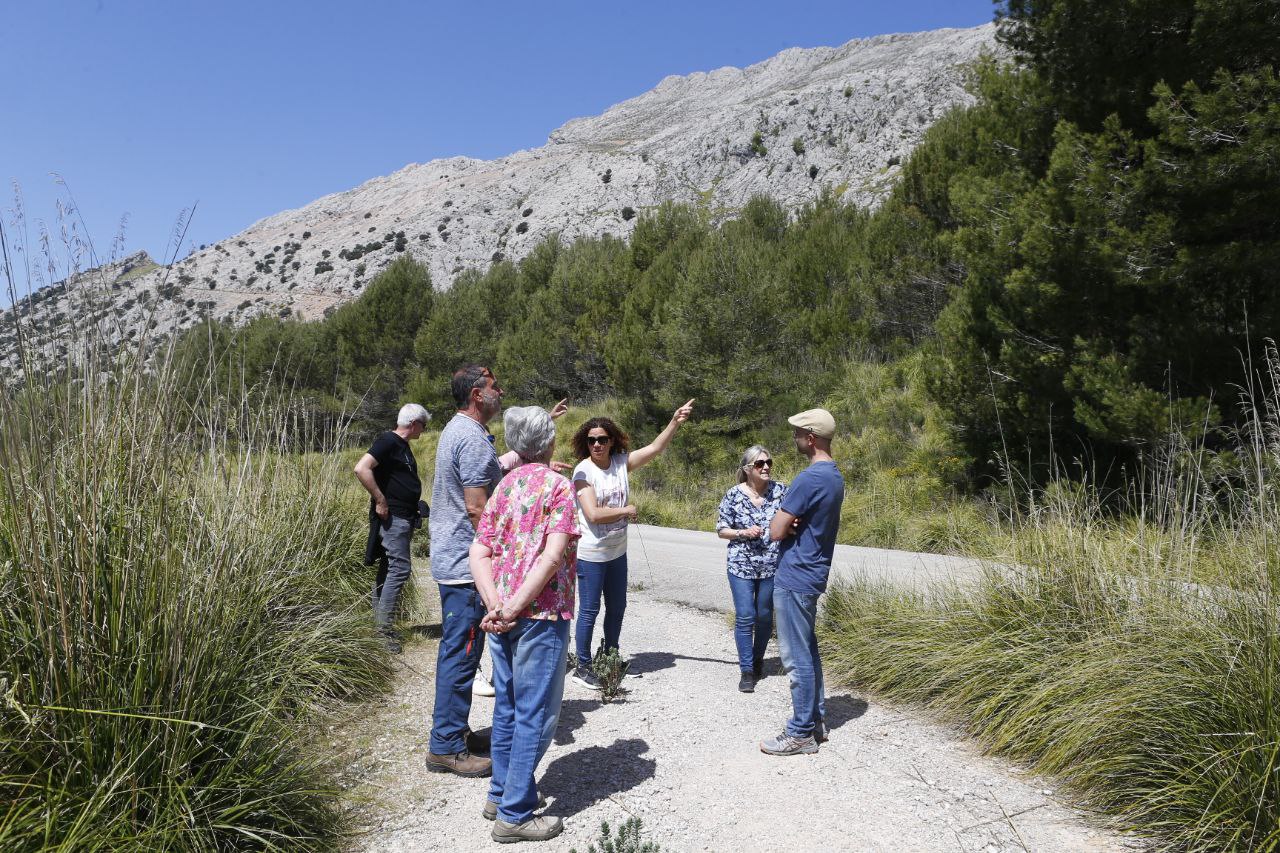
x=807, y=120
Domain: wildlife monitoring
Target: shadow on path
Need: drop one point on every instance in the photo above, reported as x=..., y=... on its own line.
x=772, y=666
x=582, y=778
x=573, y=715
x=842, y=709
x=646, y=662
x=431, y=632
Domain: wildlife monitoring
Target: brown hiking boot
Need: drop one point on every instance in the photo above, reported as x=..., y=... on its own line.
x=460, y=764
x=536, y=828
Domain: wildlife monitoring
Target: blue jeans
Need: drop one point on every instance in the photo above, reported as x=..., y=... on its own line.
x=528, y=680
x=609, y=577
x=797, y=614
x=752, y=611
x=393, y=569
x=461, y=644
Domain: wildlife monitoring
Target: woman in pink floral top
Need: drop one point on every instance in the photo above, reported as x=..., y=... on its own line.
x=524, y=564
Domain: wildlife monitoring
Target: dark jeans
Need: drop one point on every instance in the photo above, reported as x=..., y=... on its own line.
x=528, y=680
x=461, y=644
x=752, y=613
x=609, y=578
x=393, y=569
x=798, y=641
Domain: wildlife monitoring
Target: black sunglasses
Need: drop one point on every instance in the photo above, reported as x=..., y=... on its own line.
x=760, y=463
x=598, y=439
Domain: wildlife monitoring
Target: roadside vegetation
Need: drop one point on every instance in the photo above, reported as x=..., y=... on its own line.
x=181, y=608
x=1128, y=645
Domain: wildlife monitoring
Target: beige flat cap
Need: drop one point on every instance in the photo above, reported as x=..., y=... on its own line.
x=817, y=421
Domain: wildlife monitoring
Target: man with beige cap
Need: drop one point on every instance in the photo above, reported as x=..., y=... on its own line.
x=806, y=524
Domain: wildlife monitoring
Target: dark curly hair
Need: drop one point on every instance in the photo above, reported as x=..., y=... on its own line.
x=620, y=444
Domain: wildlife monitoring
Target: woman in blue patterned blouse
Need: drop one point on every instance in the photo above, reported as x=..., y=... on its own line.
x=744, y=519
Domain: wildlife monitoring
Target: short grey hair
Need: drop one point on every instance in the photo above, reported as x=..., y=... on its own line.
x=530, y=432
x=748, y=456
x=412, y=413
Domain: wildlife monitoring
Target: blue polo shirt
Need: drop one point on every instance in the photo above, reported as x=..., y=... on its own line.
x=804, y=560
x=464, y=459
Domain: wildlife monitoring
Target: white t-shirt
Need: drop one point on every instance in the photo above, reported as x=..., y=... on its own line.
x=603, y=542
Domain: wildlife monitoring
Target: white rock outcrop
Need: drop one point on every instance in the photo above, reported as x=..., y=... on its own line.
x=807, y=120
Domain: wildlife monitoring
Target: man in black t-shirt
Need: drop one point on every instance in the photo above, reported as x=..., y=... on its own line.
x=390, y=474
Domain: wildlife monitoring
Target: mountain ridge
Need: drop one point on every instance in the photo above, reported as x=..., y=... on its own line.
x=802, y=122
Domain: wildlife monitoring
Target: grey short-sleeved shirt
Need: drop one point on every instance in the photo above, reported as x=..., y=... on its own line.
x=464, y=459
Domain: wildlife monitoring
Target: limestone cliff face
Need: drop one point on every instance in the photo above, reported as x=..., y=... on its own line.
x=839, y=119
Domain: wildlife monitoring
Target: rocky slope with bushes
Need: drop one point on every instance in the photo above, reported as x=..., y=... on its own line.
x=837, y=119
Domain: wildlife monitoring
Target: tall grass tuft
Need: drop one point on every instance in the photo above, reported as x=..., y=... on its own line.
x=1136, y=656
x=180, y=603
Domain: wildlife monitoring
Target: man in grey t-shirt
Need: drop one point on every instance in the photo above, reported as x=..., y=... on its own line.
x=466, y=472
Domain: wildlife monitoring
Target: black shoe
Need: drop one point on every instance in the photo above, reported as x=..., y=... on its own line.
x=391, y=640
x=477, y=743
x=757, y=668
x=586, y=677
x=820, y=731
x=747, y=683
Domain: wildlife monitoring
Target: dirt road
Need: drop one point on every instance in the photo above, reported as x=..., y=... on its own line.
x=680, y=751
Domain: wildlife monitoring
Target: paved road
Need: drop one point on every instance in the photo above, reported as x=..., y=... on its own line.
x=688, y=566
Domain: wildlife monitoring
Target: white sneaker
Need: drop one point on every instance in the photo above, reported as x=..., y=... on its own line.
x=481, y=685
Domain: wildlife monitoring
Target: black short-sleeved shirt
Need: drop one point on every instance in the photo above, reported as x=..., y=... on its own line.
x=396, y=474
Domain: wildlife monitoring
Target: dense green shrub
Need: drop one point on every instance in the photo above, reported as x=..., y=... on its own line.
x=179, y=605
x=1117, y=226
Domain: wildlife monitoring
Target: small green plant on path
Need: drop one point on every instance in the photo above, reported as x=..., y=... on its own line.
x=608, y=667
x=627, y=840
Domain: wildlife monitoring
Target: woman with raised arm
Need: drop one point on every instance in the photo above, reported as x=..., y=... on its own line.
x=602, y=489
x=523, y=564
x=745, y=513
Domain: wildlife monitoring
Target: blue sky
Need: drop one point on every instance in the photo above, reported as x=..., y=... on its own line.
x=146, y=108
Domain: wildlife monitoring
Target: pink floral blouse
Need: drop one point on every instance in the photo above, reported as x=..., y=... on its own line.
x=529, y=504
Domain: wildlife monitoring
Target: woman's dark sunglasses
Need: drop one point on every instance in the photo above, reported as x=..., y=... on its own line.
x=760, y=463
x=598, y=439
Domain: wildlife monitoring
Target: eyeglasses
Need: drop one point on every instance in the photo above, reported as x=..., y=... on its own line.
x=598, y=439
x=761, y=463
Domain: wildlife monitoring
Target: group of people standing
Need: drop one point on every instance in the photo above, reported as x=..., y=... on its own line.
x=514, y=542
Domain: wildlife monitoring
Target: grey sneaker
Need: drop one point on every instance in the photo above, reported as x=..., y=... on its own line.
x=785, y=744
x=490, y=810
x=586, y=677
x=536, y=828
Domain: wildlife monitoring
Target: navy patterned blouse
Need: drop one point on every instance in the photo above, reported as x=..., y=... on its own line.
x=751, y=558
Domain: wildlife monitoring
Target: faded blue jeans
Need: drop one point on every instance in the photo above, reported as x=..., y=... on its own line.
x=528, y=680
x=797, y=616
x=752, y=614
x=609, y=578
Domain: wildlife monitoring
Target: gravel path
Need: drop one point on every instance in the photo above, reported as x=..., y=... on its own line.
x=679, y=751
